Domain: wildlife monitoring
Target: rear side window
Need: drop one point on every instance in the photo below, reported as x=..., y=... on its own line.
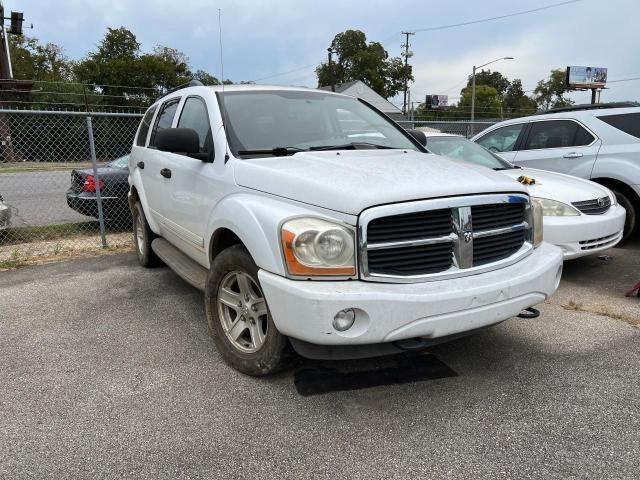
x=556, y=134
x=144, y=127
x=194, y=115
x=629, y=123
x=502, y=139
x=165, y=118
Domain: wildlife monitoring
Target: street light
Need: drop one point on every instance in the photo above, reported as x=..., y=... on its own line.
x=473, y=87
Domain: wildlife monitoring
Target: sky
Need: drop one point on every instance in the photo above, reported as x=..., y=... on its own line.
x=262, y=40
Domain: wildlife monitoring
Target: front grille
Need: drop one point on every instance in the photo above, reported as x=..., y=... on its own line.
x=407, y=261
x=488, y=217
x=496, y=247
x=594, y=243
x=597, y=206
x=410, y=226
x=470, y=232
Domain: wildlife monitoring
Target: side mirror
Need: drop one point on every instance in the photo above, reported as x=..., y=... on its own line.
x=419, y=136
x=178, y=140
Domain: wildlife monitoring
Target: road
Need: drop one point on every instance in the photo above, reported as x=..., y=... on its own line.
x=107, y=371
x=38, y=198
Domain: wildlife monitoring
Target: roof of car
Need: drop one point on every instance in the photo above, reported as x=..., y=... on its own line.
x=439, y=134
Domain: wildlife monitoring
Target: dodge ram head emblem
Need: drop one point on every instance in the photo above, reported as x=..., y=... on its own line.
x=467, y=235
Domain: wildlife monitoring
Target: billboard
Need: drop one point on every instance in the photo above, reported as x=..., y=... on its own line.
x=437, y=102
x=586, y=77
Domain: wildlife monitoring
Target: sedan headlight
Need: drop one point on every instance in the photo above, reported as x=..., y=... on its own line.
x=614, y=199
x=553, y=208
x=316, y=247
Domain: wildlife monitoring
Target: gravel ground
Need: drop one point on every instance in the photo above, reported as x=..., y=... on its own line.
x=107, y=371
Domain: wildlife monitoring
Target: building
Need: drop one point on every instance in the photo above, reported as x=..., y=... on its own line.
x=359, y=89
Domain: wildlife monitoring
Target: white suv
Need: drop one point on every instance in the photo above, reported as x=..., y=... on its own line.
x=310, y=220
x=589, y=141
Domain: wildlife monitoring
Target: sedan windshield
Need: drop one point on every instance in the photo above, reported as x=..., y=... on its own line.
x=459, y=148
x=284, y=122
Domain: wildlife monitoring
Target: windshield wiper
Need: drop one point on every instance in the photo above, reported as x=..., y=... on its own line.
x=510, y=167
x=348, y=146
x=276, y=151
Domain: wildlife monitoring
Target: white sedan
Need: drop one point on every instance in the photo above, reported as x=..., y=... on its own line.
x=580, y=216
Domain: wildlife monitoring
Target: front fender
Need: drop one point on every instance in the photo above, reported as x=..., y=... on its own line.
x=256, y=220
x=136, y=181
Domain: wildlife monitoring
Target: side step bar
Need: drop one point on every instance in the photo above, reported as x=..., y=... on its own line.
x=190, y=271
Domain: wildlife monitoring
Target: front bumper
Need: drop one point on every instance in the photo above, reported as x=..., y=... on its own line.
x=585, y=234
x=304, y=310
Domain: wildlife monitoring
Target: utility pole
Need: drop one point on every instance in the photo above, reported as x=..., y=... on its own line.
x=332, y=76
x=406, y=54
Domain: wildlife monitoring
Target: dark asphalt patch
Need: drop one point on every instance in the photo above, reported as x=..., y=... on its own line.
x=315, y=381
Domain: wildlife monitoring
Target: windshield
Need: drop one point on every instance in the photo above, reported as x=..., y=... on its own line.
x=122, y=162
x=289, y=121
x=459, y=148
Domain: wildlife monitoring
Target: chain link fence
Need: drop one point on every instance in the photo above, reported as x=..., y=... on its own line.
x=58, y=170
x=465, y=128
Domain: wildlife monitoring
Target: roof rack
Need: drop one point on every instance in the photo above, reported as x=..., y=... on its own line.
x=191, y=83
x=590, y=106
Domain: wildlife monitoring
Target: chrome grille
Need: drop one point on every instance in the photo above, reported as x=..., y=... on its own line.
x=432, y=239
x=597, y=206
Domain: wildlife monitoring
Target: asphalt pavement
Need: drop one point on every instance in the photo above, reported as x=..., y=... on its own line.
x=107, y=371
x=39, y=198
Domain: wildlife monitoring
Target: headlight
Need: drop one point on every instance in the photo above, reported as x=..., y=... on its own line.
x=614, y=199
x=313, y=247
x=552, y=208
x=536, y=219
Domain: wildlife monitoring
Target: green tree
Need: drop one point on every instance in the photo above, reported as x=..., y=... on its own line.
x=492, y=79
x=369, y=62
x=32, y=60
x=487, y=104
x=550, y=93
x=514, y=100
x=205, y=77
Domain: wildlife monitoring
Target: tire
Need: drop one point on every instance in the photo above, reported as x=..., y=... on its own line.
x=142, y=238
x=632, y=213
x=239, y=318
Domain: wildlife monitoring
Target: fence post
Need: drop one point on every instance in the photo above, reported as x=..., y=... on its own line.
x=92, y=148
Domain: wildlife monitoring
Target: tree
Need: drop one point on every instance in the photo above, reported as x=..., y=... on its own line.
x=487, y=102
x=550, y=93
x=514, y=101
x=32, y=60
x=206, y=78
x=369, y=62
x=492, y=79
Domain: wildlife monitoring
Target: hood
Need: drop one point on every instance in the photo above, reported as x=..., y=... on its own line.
x=557, y=186
x=351, y=181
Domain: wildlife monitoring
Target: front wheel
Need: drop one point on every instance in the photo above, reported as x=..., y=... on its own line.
x=239, y=318
x=632, y=213
x=142, y=238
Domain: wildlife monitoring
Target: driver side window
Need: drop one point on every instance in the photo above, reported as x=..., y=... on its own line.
x=502, y=139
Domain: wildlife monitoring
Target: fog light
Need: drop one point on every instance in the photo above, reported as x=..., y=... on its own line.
x=344, y=319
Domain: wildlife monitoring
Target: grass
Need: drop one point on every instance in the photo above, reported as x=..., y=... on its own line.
x=12, y=236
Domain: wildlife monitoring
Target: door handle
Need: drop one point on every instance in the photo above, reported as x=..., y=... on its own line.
x=573, y=155
x=140, y=165
x=165, y=172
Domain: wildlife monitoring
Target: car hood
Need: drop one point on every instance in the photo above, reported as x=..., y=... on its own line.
x=557, y=186
x=351, y=181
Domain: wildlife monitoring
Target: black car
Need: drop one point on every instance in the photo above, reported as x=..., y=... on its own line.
x=114, y=187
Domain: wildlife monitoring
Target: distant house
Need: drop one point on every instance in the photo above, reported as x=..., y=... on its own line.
x=359, y=89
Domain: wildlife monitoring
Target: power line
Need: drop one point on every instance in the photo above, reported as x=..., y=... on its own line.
x=284, y=73
x=624, y=80
x=482, y=20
